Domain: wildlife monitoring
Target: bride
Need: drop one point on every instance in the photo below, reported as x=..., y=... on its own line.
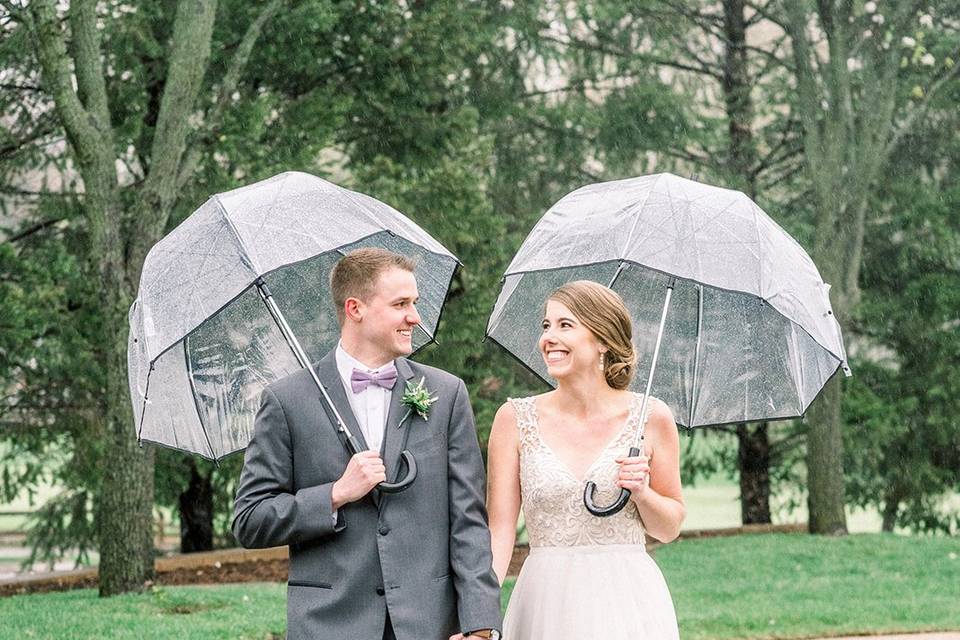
x=585, y=577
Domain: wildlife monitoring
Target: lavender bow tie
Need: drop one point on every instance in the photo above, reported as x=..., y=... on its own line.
x=386, y=378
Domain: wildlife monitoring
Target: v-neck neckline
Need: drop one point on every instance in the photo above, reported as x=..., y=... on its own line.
x=634, y=408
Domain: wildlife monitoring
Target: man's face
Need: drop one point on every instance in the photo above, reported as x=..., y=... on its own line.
x=390, y=314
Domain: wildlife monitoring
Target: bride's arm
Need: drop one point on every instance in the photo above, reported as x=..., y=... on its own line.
x=659, y=500
x=503, y=487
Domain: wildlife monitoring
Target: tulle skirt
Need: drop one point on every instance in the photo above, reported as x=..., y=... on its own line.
x=608, y=592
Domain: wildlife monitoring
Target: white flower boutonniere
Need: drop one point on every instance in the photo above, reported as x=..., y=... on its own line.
x=418, y=398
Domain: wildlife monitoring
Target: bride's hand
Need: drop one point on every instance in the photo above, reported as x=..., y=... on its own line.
x=634, y=474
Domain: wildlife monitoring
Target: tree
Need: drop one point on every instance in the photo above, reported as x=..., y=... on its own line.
x=900, y=415
x=714, y=105
x=848, y=66
x=124, y=220
x=372, y=95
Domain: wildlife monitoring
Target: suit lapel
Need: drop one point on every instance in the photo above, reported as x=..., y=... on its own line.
x=398, y=421
x=330, y=379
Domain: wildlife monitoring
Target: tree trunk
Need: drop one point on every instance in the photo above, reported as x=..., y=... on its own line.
x=825, y=463
x=125, y=505
x=891, y=508
x=196, y=513
x=754, y=461
x=890, y=512
x=754, y=444
x=736, y=93
x=825, y=481
x=75, y=79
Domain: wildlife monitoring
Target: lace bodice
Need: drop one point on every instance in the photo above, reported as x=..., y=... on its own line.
x=553, y=497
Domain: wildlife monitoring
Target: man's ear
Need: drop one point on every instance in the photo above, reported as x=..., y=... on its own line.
x=354, y=309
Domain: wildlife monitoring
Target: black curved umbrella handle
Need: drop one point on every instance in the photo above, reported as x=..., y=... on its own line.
x=396, y=487
x=616, y=507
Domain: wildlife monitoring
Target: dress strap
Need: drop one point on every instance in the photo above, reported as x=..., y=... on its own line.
x=636, y=422
x=526, y=413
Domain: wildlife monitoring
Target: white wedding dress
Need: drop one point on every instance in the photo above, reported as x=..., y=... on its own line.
x=586, y=577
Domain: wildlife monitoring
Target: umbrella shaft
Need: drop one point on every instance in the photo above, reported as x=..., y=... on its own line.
x=653, y=363
x=302, y=358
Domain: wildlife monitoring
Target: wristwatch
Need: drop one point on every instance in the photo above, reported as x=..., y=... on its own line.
x=493, y=634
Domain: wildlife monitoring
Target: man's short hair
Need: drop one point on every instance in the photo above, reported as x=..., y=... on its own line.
x=356, y=273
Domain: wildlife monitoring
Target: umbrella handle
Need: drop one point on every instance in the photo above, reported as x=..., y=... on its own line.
x=616, y=507
x=396, y=487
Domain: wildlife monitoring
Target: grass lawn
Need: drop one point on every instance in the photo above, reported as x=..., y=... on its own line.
x=758, y=586
x=780, y=586
x=235, y=612
x=800, y=586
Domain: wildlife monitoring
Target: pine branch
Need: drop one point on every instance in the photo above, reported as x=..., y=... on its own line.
x=596, y=47
x=31, y=230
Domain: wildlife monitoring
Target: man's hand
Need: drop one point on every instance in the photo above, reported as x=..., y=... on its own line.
x=364, y=471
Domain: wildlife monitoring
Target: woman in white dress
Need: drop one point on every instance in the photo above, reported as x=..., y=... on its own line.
x=586, y=577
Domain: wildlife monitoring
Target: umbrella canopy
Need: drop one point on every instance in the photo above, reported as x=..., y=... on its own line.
x=203, y=345
x=749, y=335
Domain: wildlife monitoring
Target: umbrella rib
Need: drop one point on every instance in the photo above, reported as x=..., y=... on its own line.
x=696, y=353
x=429, y=335
x=193, y=394
x=665, y=248
x=799, y=378
x=756, y=227
x=363, y=207
x=146, y=396
x=299, y=221
x=245, y=253
x=636, y=219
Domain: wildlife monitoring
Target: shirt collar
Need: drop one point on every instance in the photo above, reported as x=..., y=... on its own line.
x=346, y=363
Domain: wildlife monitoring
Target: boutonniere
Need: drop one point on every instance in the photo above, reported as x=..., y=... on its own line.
x=418, y=398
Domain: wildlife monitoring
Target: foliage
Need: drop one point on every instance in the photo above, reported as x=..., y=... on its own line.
x=904, y=437
x=472, y=118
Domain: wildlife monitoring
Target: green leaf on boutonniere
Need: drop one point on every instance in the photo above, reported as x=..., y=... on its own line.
x=418, y=398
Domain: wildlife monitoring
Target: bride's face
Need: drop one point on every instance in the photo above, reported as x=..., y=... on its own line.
x=567, y=347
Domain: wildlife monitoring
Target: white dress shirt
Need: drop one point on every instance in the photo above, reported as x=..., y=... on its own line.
x=371, y=405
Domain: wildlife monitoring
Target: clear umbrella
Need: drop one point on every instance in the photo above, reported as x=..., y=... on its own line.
x=740, y=310
x=237, y=296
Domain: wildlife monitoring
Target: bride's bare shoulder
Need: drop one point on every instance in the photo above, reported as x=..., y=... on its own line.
x=661, y=424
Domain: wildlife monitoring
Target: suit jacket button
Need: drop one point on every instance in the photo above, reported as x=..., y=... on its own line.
x=384, y=529
x=381, y=591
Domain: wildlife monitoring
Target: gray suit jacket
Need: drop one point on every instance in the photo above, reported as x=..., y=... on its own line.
x=422, y=554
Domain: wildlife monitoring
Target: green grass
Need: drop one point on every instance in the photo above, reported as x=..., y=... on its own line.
x=745, y=587
x=799, y=586
x=794, y=586
x=235, y=612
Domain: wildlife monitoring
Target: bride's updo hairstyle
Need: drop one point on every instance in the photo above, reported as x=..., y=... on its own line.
x=601, y=310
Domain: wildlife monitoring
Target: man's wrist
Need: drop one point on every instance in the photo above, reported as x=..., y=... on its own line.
x=336, y=501
x=493, y=634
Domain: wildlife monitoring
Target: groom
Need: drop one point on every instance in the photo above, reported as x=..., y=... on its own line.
x=367, y=565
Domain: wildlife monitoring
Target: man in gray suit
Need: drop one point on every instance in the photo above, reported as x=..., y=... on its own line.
x=364, y=564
